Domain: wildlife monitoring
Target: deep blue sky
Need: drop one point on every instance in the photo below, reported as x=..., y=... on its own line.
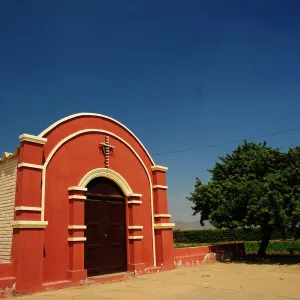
x=179, y=74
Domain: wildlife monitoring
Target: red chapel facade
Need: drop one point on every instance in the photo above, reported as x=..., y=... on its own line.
x=89, y=201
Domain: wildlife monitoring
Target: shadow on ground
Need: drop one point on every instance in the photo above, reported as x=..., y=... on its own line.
x=269, y=260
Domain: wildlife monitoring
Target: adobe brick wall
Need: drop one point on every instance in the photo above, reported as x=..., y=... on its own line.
x=8, y=172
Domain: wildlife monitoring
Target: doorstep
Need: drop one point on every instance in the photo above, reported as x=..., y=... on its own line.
x=109, y=277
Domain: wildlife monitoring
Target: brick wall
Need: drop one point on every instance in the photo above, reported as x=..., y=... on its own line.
x=8, y=172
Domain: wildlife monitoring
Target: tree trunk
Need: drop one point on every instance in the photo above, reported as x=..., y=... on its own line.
x=266, y=235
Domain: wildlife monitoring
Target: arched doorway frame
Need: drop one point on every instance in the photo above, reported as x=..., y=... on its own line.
x=110, y=174
x=133, y=243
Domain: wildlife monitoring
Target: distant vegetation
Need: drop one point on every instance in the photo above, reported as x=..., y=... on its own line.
x=212, y=236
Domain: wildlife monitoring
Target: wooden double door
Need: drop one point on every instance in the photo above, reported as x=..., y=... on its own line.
x=105, y=246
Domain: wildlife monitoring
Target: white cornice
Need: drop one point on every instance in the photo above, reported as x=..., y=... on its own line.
x=162, y=216
x=164, y=225
x=32, y=138
x=159, y=168
x=164, y=187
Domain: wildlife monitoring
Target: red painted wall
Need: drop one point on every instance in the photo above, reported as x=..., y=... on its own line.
x=69, y=165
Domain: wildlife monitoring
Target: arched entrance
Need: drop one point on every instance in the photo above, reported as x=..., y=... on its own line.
x=105, y=220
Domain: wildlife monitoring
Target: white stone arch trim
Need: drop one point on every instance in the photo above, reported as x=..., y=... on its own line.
x=41, y=135
x=80, y=132
x=107, y=173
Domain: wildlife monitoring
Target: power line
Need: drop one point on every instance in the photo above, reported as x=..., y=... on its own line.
x=229, y=142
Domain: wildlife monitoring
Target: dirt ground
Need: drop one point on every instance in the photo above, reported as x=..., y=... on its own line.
x=210, y=281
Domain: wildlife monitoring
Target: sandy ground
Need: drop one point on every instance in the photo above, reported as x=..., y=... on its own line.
x=213, y=281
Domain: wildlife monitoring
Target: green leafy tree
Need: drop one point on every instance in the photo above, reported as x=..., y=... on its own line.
x=254, y=186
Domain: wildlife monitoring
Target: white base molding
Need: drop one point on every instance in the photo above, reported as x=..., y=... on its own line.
x=29, y=224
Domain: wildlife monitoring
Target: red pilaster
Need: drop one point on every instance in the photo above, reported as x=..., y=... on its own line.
x=163, y=228
x=135, y=234
x=28, y=228
x=76, y=237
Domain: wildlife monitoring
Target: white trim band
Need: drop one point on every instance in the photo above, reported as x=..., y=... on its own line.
x=32, y=138
x=134, y=202
x=77, y=188
x=135, y=195
x=164, y=187
x=162, y=216
x=159, y=168
x=135, y=237
x=29, y=224
x=164, y=225
x=32, y=166
x=138, y=227
x=77, y=197
x=74, y=227
x=76, y=239
x=27, y=208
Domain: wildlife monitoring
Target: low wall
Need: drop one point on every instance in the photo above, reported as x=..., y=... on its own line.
x=193, y=256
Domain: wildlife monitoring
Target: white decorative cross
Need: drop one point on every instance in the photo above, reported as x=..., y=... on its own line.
x=106, y=150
